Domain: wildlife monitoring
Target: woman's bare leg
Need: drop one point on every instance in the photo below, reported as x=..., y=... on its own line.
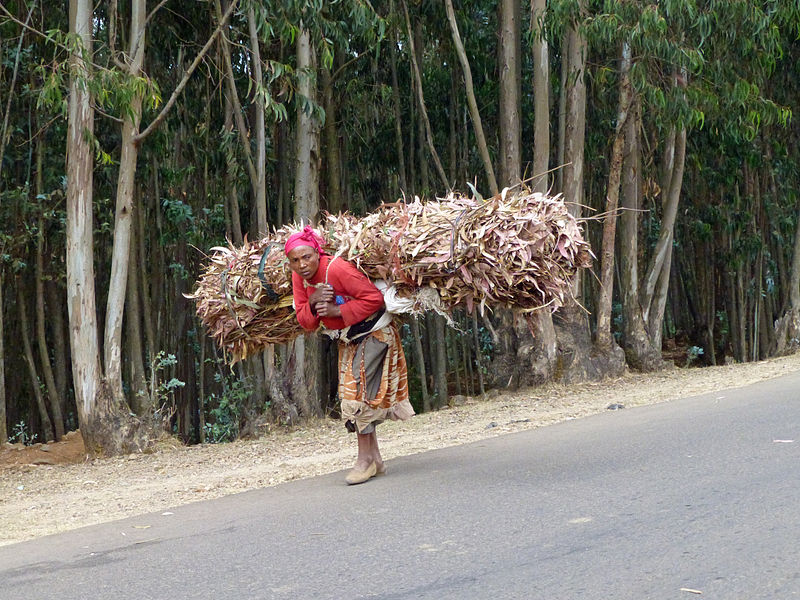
x=365, y=451
x=376, y=452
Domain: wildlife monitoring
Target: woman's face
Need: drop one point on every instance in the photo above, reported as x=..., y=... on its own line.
x=304, y=260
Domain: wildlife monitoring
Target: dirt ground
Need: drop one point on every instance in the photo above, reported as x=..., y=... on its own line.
x=51, y=488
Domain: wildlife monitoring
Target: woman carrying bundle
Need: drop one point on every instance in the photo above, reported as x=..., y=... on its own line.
x=373, y=382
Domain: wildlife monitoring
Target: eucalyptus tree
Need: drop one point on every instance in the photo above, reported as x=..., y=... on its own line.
x=683, y=88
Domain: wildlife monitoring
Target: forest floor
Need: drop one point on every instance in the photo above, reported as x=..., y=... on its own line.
x=51, y=488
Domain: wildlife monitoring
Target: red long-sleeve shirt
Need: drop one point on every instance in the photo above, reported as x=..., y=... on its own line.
x=363, y=298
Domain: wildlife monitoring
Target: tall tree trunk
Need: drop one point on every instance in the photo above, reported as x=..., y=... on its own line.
x=509, y=91
x=478, y=359
x=541, y=97
x=572, y=327
x=657, y=281
x=306, y=361
x=97, y=413
x=53, y=398
x=439, y=354
x=421, y=102
x=3, y=417
x=144, y=273
x=603, y=338
x=260, y=190
x=333, y=173
x=306, y=188
x=133, y=324
x=396, y=108
x=788, y=326
x=420, y=358
x=639, y=351
x=123, y=219
x=230, y=82
x=55, y=301
x=86, y=373
x=477, y=125
x=231, y=192
x=27, y=352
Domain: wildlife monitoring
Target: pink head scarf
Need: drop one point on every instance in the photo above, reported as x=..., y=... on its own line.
x=307, y=237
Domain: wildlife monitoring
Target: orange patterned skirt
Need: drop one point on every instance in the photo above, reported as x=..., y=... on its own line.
x=373, y=380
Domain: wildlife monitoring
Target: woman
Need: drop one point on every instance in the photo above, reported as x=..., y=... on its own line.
x=373, y=382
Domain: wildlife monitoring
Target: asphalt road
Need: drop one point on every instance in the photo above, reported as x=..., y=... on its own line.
x=698, y=498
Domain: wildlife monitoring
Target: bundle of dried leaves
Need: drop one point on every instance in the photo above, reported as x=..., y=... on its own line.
x=519, y=250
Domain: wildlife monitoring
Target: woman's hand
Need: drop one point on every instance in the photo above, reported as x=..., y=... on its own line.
x=323, y=293
x=328, y=309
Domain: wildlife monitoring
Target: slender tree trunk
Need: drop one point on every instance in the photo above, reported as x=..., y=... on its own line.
x=561, y=150
x=603, y=338
x=439, y=354
x=230, y=82
x=509, y=86
x=86, y=373
x=333, y=173
x=260, y=190
x=145, y=273
x=55, y=301
x=420, y=356
x=98, y=415
x=27, y=352
x=478, y=359
x=306, y=190
x=541, y=97
x=657, y=282
x=574, y=140
x=788, y=326
x=123, y=219
x=133, y=323
x=477, y=125
x=421, y=100
x=231, y=192
x=639, y=351
x=53, y=398
x=3, y=417
x=307, y=358
x=396, y=108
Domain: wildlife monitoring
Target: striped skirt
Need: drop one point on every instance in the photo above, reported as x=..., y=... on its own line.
x=373, y=380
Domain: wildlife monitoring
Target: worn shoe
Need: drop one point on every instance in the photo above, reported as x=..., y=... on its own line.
x=380, y=470
x=356, y=476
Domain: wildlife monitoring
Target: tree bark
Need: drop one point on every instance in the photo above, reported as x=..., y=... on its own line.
x=137, y=382
x=260, y=189
x=398, y=129
x=478, y=359
x=480, y=138
x=420, y=356
x=509, y=91
x=123, y=219
x=230, y=83
x=603, y=337
x=333, y=179
x=639, y=351
x=306, y=360
x=53, y=398
x=306, y=188
x=656, y=295
x=103, y=429
x=788, y=326
x=541, y=98
x=27, y=352
x=439, y=340
x=3, y=417
x=421, y=101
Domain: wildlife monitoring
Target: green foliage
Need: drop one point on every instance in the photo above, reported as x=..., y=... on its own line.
x=20, y=434
x=223, y=411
